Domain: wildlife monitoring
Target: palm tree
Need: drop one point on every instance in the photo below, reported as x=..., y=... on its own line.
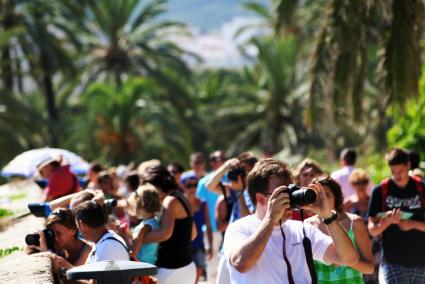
x=125, y=38
x=36, y=36
x=120, y=38
x=278, y=16
x=132, y=123
x=267, y=111
x=349, y=30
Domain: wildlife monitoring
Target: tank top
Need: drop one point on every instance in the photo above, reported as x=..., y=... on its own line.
x=338, y=274
x=176, y=251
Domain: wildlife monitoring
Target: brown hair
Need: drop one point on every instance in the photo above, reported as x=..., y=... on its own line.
x=308, y=163
x=397, y=156
x=91, y=213
x=258, y=178
x=159, y=177
x=358, y=176
x=336, y=191
x=64, y=217
x=146, y=197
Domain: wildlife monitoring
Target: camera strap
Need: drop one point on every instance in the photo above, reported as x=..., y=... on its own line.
x=308, y=255
x=285, y=257
x=308, y=252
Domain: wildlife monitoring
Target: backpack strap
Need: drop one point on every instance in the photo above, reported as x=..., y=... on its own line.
x=115, y=239
x=384, y=193
x=420, y=189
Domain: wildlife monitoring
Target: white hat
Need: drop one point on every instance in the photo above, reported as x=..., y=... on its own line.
x=44, y=161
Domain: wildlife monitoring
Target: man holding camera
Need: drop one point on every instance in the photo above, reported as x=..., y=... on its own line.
x=396, y=211
x=268, y=247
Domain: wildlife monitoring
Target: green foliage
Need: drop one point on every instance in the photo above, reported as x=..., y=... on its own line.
x=7, y=251
x=408, y=130
x=5, y=213
x=103, y=78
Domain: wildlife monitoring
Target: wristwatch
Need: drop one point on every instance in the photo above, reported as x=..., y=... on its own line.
x=329, y=220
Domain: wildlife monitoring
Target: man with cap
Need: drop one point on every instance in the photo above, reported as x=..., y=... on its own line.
x=61, y=181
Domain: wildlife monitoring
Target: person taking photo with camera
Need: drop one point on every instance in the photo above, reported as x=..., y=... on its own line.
x=268, y=247
x=61, y=238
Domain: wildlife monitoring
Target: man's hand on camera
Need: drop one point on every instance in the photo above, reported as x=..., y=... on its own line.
x=319, y=207
x=278, y=206
x=231, y=163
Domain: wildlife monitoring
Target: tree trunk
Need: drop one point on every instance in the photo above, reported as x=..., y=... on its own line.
x=6, y=61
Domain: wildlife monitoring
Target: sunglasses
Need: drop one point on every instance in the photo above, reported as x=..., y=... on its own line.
x=61, y=213
x=191, y=186
x=361, y=182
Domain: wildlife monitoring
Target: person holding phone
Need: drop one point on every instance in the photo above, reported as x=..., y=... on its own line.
x=396, y=212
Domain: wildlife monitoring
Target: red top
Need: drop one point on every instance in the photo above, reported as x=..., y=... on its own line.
x=62, y=182
x=296, y=215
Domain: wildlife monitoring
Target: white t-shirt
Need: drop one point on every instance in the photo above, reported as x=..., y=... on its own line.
x=342, y=176
x=109, y=249
x=271, y=267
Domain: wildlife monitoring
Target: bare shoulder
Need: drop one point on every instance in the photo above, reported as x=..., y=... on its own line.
x=169, y=201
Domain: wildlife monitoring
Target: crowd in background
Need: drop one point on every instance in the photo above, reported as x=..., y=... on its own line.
x=177, y=219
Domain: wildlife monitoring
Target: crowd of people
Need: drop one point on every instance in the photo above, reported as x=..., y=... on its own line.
x=246, y=220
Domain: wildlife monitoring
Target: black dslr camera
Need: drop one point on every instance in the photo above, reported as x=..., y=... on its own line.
x=300, y=196
x=233, y=174
x=34, y=239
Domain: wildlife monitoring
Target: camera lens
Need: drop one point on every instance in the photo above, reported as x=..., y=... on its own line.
x=32, y=239
x=302, y=196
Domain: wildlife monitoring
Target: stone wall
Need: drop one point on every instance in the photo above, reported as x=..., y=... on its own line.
x=21, y=268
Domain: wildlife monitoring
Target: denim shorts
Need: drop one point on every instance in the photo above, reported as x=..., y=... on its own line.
x=399, y=274
x=198, y=256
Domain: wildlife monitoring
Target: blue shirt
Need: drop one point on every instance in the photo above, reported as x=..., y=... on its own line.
x=148, y=252
x=203, y=193
x=235, y=210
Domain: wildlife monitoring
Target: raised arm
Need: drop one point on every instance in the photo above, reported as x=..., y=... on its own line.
x=213, y=183
x=342, y=251
x=244, y=254
x=138, y=242
x=166, y=228
x=365, y=264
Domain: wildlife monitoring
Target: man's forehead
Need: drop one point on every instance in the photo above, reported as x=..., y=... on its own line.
x=276, y=181
x=399, y=167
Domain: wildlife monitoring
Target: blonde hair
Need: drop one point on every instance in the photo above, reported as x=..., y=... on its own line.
x=358, y=175
x=145, y=197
